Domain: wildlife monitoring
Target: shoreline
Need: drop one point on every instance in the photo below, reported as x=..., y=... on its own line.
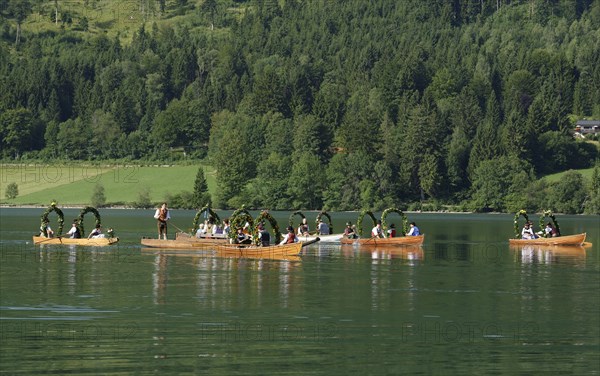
x=123, y=207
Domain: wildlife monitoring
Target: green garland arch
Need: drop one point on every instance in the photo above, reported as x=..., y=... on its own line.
x=520, y=213
x=548, y=213
x=360, y=219
x=61, y=219
x=291, y=220
x=321, y=214
x=84, y=211
x=238, y=219
x=275, y=226
x=402, y=216
x=208, y=209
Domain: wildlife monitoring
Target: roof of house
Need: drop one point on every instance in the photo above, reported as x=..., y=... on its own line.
x=588, y=122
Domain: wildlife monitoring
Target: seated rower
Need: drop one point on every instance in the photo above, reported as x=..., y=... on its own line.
x=527, y=232
x=414, y=230
x=263, y=236
x=242, y=237
x=349, y=231
x=290, y=237
x=45, y=230
x=96, y=233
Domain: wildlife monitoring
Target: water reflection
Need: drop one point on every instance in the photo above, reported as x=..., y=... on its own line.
x=410, y=253
x=226, y=277
x=538, y=254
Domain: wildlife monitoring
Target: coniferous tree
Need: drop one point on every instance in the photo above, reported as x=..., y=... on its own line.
x=200, y=195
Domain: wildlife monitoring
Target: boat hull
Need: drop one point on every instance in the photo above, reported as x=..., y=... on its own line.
x=188, y=243
x=276, y=251
x=374, y=242
x=98, y=242
x=569, y=240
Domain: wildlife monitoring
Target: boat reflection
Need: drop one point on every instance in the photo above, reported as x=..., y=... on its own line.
x=409, y=252
x=549, y=254
x=210, y=254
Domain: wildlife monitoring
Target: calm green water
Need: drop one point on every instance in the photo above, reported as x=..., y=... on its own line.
x=465, y=303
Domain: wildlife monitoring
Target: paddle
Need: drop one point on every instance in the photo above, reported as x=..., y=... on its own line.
x=57, y=237
x=178, y=228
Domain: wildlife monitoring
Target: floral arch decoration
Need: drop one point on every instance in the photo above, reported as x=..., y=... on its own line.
x=402, y=217
x=520, y=213
x=205, y=209
x=84, y=211
x=549, y=214
x=274, y=225
x=323, y=213
x=44, y=219
x=360, y=219
x=238, y=219
x=296, y=213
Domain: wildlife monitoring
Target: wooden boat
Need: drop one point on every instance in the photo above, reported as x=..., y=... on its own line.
x=266, y=252
x=184, y=243
x=334, y=238
x=373, y=242
x=97, y=242
x=185, y=237
x=569, y=240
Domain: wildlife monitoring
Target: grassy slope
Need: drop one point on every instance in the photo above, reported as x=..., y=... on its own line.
x=587, y=175
x=110, y=17
x=121, y=184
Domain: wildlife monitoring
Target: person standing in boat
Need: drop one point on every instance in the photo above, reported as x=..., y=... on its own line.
x=377, y=231
x=162, y=215
x=290, y=237
x=74, y=231
x=414, y=230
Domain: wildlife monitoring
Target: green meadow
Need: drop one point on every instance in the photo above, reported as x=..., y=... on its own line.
x=74, y=185
x=587, y=175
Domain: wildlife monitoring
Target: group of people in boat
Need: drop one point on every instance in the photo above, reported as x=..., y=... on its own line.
x=74, y=233
x=377, y=231
x=304, y=229
x=548, y=232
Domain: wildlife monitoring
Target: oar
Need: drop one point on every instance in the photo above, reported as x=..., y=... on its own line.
x=57, y=237
x=586, y=244
x=177, y=228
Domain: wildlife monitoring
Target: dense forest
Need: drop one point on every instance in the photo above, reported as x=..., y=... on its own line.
x=310, y=104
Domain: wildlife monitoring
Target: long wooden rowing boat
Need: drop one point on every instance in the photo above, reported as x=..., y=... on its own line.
x=96, y=242
x=267, y=252
x=569, y=240
x=184, y=243
x=373, y=242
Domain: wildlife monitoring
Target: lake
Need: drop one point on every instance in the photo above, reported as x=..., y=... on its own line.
x=463, y=303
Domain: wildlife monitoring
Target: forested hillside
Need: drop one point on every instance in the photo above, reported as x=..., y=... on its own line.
x=343, y=104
